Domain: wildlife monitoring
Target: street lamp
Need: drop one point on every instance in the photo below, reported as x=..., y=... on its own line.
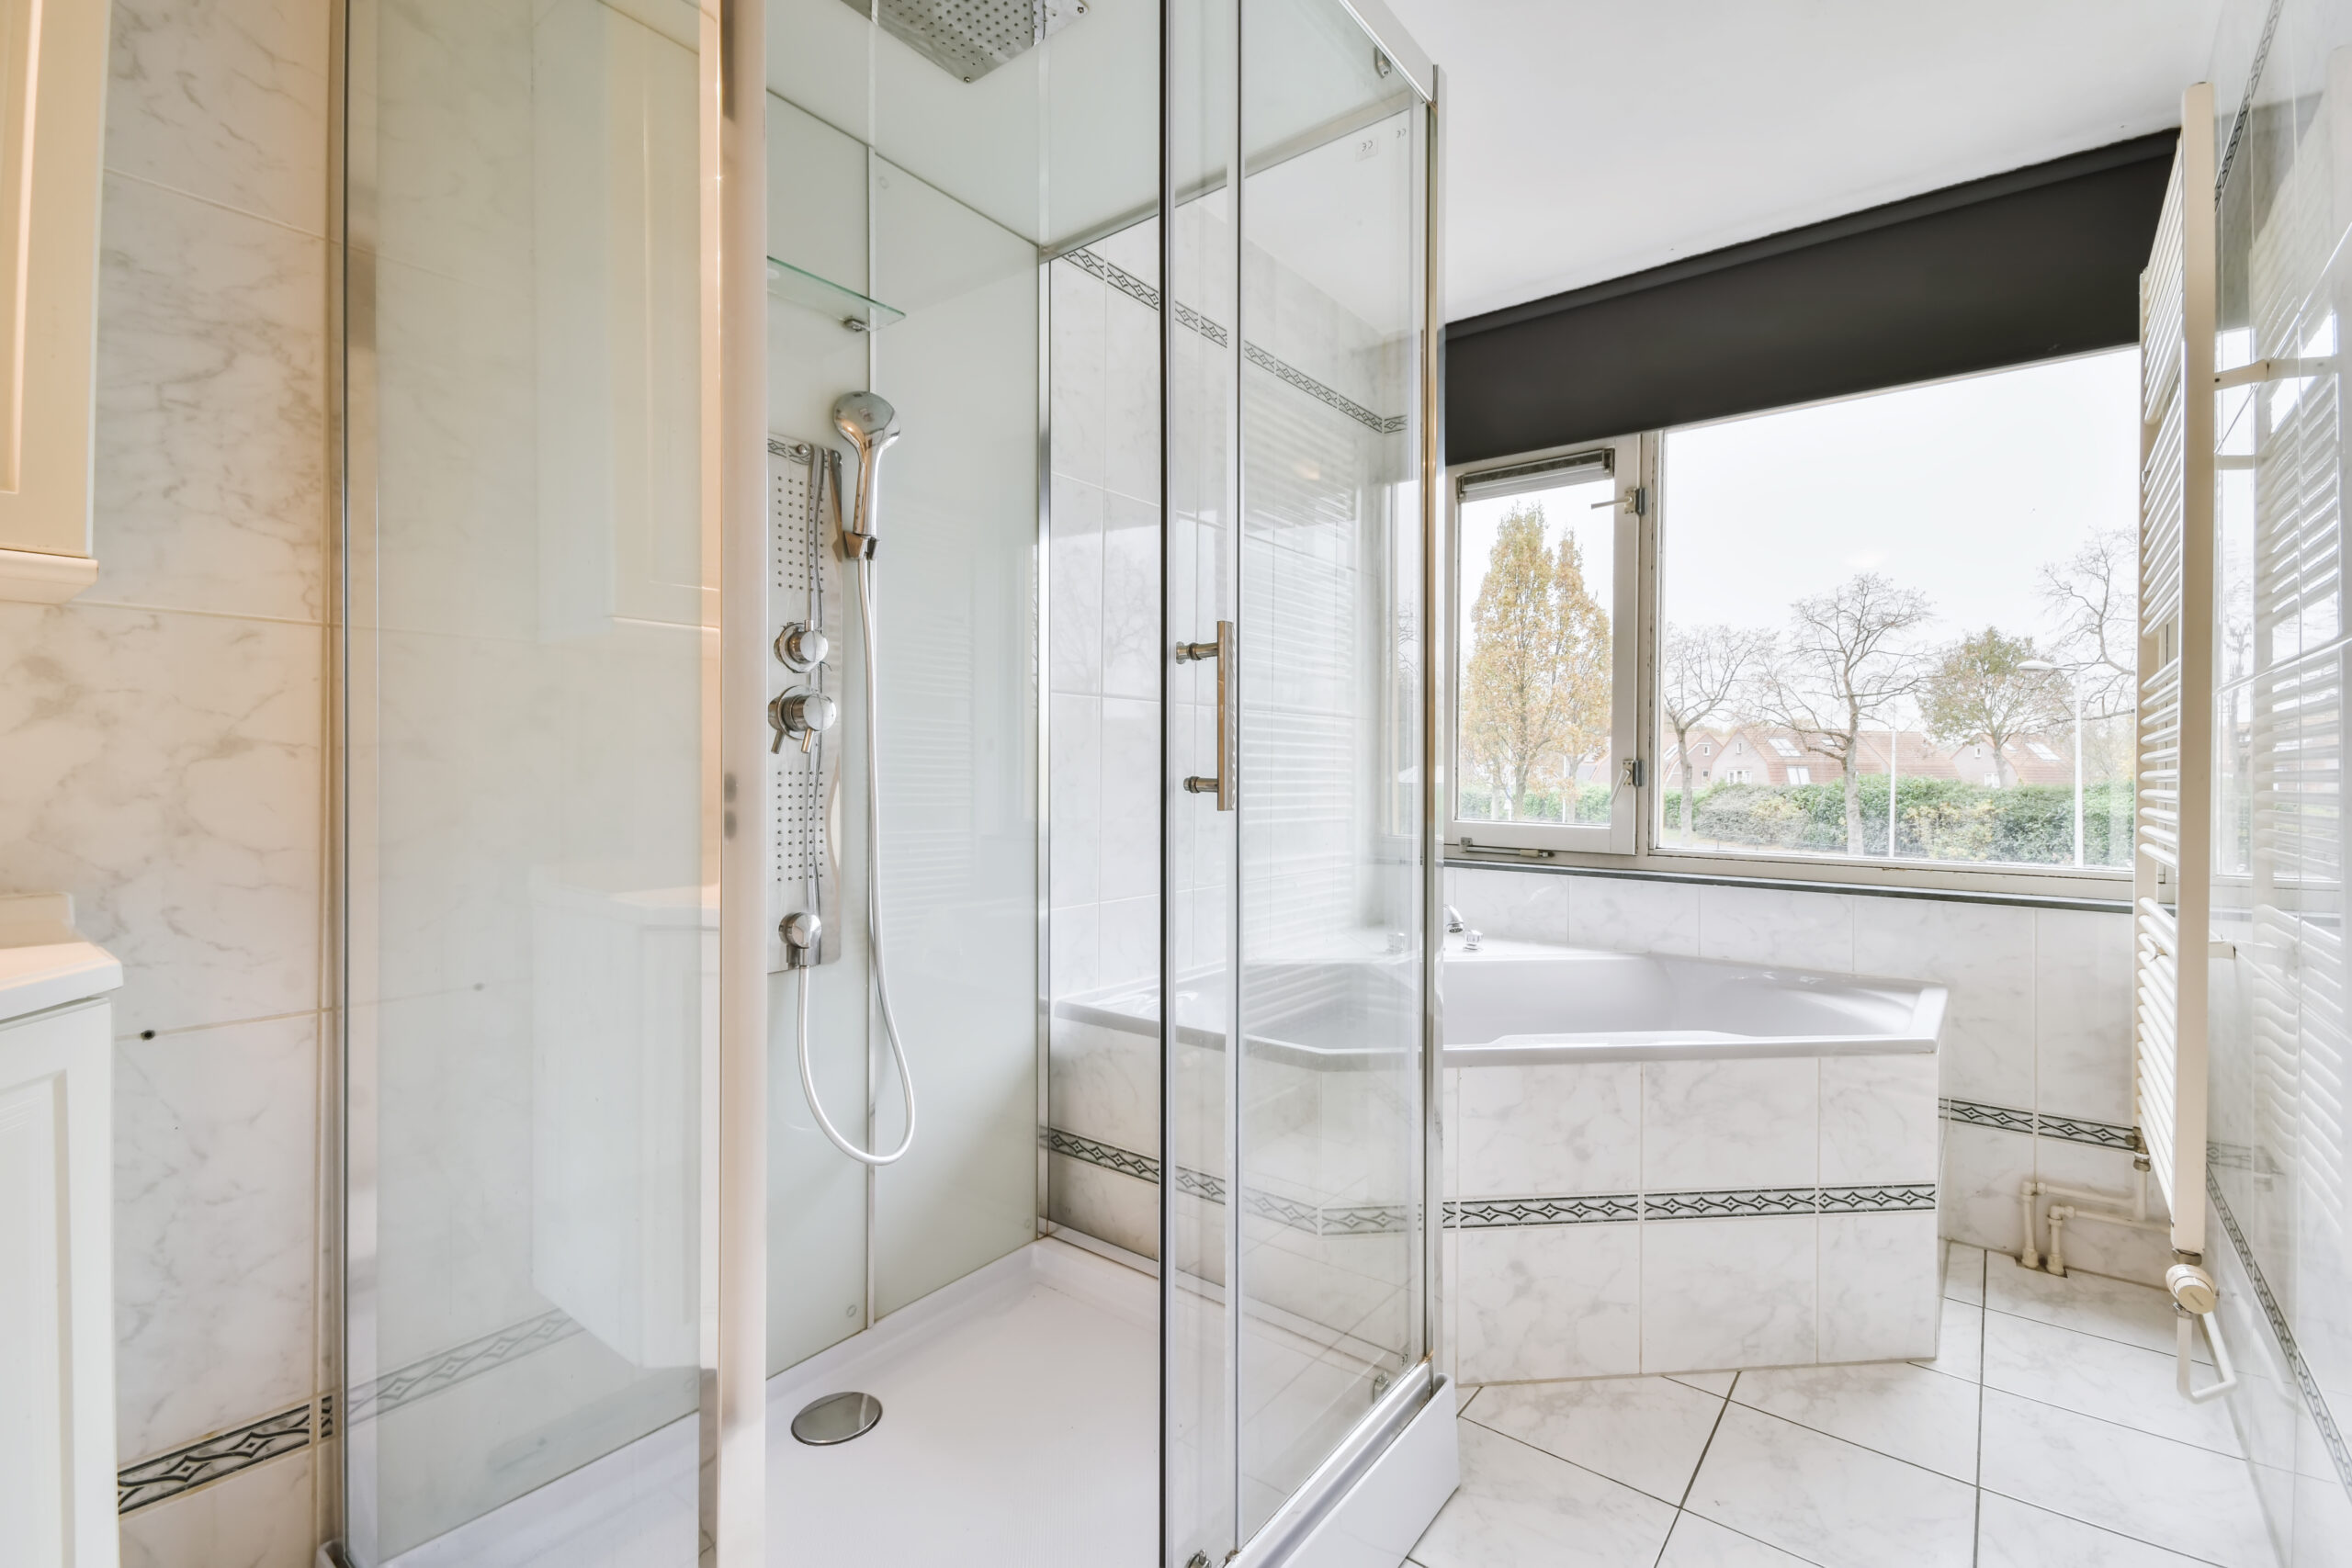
x=2074, y=681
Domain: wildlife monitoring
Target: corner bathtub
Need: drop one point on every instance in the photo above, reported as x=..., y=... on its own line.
x=1658, y=1163
x=1520, y=1004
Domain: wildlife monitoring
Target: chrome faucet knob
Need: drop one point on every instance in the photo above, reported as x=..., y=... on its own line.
x=801, y=647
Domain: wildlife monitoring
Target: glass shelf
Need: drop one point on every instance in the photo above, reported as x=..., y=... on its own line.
x=847, y=305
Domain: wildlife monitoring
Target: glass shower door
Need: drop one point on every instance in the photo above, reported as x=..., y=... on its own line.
x=531, y=926
x=1297, y=1307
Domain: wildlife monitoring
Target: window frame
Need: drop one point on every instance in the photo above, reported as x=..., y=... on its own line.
x=1635, y=846
x=1630, y=467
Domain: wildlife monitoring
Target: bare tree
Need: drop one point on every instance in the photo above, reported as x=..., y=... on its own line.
x=1980, y=690
x=1848, y=658
x=1704, y=673
x=2094, y=595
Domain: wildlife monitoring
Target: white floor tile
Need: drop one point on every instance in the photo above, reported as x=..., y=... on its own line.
x=1519, y=1507
x=1964, y=1272
x=1646, y=1432
x=2196, y=1501
x=2095, y=1376
x=2113, y=1309
x=2010, y=1534
x=1830, y=1502
x=1716, y=1384
x=1702, y=1543
x=1903, y=1411
x=1959, y=1349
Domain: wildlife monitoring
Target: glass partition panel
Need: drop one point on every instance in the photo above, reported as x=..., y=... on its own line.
x=1197, y=936
x=532, y=920
x=1325, y=1259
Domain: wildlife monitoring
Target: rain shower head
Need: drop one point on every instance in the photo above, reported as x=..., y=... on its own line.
x=968, y=39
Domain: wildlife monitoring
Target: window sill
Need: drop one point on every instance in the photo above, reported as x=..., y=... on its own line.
x=2089, y=890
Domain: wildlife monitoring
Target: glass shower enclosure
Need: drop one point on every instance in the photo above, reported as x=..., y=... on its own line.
x=1076, y=835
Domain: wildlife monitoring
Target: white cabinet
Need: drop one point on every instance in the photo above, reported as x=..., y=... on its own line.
x=56, y=1274
x=52, y=120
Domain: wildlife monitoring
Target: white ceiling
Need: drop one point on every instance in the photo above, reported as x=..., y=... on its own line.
x=1587, y=140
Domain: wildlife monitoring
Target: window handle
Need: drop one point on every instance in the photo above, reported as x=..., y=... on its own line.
x=1225, y=783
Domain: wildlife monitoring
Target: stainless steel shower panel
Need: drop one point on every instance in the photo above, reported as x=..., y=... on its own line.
x=968, y=39
x=803, y=631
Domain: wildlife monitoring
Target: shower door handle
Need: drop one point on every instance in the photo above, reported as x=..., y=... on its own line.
x=1225, y=783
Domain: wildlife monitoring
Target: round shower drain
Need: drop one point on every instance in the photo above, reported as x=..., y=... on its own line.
x=836, y=1419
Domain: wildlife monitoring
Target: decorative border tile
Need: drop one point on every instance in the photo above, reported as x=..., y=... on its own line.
x=2067, y=1129
x=2315, y=1401
x=1898, y=1198
x=432, y=1374
x=1730, y=1204
x=184, y=1469
x=1127, y=1162
x=1977, y=1116
x=1343, y=1219
x=1494, y=1213
x=1144, y=294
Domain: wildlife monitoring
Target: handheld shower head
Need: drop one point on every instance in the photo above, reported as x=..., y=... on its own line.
x=871, y=424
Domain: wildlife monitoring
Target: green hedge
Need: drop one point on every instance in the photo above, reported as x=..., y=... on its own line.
x=1938, y=819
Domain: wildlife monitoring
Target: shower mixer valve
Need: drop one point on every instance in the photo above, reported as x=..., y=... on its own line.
x=801, y=713
x=801, y=647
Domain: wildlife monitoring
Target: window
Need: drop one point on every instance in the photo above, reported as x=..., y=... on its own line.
x=1544, y=556
x=1916, y=606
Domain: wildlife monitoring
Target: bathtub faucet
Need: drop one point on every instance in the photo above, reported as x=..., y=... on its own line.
x=1453, y=919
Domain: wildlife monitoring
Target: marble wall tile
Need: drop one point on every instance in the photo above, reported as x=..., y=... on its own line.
x=1522, y=906
x=1756, y=925
x=1978, y=1198
x=1104, y=1204
x=215, y=1155
x=1074, y=950
x=1131, y=399
x=1626, y=916
x=1879, y=1286
x=1131, y=798
x=1075, y=590
x=1548, y=1302
x=2137, y=1255
x=1077, y=306
x=1879, y=1121
x=166, y=770
x=1984, y=953
x=210, y=460
x=256, y=1518
x=1074, y=801
x=1528, y=1131
x=1724, y=1124
x=455, y=1183
x=225, y=101
x=2083, y=1000
x=1724, y=1293
x=1104, y=1083
x=456, y=394
x=1132, y=613
x=1130, y=939
x=455, y=154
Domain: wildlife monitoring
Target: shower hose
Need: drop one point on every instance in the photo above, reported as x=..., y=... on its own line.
x=863, y=568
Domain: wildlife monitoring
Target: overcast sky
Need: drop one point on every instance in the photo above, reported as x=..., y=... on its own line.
x=1962, y=490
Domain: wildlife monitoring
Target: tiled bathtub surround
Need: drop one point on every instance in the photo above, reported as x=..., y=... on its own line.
x=1626, y=1217
x=2036, y=1053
